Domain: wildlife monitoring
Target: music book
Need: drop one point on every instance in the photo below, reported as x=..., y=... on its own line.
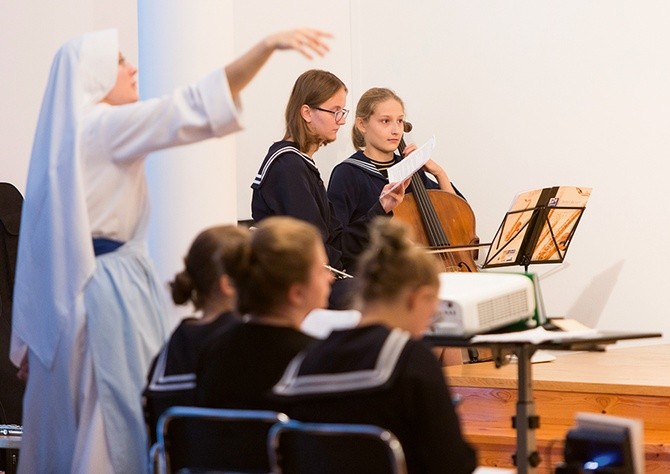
x=538, y=227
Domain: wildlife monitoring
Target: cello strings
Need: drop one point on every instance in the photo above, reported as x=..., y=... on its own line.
x=433, y=226
x=431, y=221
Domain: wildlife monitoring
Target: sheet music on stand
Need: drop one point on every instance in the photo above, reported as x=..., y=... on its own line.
x=538, y=227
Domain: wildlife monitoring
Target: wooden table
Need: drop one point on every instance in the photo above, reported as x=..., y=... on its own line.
x=630, y=381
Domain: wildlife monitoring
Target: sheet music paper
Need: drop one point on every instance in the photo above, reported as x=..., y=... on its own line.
x=410, y=164
x=567, y=205
x=535, y=336
x=523, y=205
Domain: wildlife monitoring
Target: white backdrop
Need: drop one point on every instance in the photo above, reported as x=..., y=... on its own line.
x=519, y=94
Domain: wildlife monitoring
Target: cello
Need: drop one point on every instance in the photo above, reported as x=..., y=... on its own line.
x=440, y=220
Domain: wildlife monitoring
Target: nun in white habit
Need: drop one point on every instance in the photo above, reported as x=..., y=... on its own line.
x=89, y=314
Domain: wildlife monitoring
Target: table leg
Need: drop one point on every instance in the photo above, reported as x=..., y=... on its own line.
x=526, y=420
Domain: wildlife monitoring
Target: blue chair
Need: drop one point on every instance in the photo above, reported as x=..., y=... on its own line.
x=195, y=439
x=296, y=447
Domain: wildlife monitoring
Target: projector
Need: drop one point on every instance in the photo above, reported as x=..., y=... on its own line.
x=479, y=302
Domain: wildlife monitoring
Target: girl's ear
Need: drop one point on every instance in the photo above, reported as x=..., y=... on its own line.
x=306, y=113
x=226, y=286
x=360, y=125
x=412, y=299
x=296, y=294
x=417, y=297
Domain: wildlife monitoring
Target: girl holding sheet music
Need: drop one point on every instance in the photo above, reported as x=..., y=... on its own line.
x=289, y=182
x=357, y=181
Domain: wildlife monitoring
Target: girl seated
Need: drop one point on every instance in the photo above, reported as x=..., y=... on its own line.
x=379, y=372
x=289, y=182
x=356, y=183
x=205, y=283
x=281, y=279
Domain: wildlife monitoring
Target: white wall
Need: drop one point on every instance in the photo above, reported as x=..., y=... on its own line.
x=528, y=94
x=520, y=95
x=191, y=187
x=266, y=98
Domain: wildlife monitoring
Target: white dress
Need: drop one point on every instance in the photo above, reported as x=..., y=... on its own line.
x=82, y=408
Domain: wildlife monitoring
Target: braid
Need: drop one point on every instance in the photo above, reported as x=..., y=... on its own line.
x=392, y=262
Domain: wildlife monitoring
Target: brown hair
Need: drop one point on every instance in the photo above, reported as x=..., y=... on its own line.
x=366, y=107
x=312, y=88
x=214, y=252
x=392, y=263
x=279, y=256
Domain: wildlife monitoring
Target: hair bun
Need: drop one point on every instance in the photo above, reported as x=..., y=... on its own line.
x=182, y=287
x=392, y=262
x=390, y=236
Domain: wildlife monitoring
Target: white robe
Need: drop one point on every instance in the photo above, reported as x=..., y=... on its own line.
x=88, y=358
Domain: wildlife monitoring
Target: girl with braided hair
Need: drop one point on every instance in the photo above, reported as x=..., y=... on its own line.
x=205, y=283
x=379, y=372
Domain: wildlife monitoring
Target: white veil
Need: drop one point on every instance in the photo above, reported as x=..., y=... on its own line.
x=55, y=256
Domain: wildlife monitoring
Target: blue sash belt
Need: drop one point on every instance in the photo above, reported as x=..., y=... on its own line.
x=102, y=245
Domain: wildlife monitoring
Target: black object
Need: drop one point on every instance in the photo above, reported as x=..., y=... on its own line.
x=11, y=393
x=601, y=451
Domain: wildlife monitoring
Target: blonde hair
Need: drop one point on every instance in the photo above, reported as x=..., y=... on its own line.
x=392, y=263
x=214, y=252
x=366, y=107
x=278, y=256
x=312, y=88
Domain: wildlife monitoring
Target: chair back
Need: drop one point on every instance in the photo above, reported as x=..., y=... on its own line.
x=300, y=448
x=195, y=439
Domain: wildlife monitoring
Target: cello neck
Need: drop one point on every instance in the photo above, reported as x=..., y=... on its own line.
x=434, y=232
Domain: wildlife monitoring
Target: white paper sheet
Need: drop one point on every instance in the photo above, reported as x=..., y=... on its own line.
x=535, y=336
x=410, y=164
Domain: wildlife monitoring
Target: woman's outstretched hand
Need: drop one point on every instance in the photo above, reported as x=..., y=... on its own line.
x=306, y=41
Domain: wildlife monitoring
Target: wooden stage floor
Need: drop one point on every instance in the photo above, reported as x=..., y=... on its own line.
x=631, y=382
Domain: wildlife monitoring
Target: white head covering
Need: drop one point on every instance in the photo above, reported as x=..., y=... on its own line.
x=55, y=257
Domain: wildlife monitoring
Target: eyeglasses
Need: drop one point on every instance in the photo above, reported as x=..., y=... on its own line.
x=339, y=114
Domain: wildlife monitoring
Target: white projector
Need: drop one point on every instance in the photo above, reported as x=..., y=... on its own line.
x=479, y=302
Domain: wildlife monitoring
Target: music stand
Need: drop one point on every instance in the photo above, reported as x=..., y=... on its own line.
x=538, y=227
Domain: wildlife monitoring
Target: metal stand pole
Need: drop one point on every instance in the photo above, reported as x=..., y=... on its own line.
x=526, y=421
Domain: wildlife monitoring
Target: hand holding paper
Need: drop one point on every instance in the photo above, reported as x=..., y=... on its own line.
x=412, y=163
x=393, y=194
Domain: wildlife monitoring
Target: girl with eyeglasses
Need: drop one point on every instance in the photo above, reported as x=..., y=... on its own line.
x=289, y=183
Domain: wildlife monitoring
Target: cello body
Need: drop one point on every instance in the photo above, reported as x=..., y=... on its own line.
x=452, y=224
x=440, y=220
